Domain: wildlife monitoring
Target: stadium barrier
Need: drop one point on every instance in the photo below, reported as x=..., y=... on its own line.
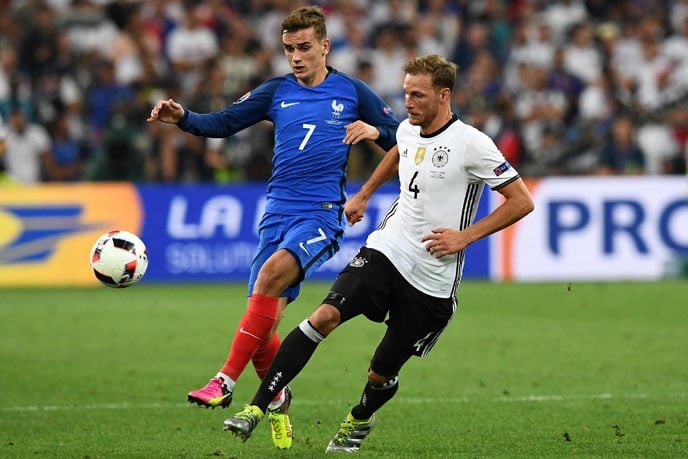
x=583, y=228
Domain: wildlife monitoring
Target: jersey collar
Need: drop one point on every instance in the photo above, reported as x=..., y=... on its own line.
x=443, y=128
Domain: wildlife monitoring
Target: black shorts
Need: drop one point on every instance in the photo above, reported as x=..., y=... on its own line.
x=372, y=286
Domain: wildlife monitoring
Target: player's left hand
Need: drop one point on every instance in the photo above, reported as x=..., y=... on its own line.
x=445, y=241
x=359, y=130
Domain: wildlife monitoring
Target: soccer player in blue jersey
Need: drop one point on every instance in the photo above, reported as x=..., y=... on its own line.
x=318, y=113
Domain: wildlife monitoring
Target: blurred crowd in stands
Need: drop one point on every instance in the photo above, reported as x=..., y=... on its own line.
x=565, y=87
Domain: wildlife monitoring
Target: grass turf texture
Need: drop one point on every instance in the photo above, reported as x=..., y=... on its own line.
x=524, y=370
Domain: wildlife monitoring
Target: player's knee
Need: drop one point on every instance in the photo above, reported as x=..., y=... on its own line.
x=377, y=379
x=272, y=281
x=278, y=272
x=325, y=319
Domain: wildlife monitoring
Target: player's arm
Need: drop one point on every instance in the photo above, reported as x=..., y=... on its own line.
x=377, y=122
x=245, y=112
x=356, y=205
x=517, y=204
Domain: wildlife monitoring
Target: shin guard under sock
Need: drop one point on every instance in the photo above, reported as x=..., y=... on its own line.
x=297, y=348
x=374, y=396
x=264, y=355
x=253, y=328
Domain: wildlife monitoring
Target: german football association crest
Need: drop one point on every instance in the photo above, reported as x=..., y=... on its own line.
x=440, y=157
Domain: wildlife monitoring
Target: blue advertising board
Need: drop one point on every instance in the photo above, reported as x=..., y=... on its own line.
x=209, y=233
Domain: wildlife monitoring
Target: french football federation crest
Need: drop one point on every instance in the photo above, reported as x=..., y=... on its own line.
x=420, y=155
x=337, y=108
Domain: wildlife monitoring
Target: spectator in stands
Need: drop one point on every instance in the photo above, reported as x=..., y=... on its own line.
x=190, y=47
x=352, y=49
x=120, y=157
x=133, y=48
x=473, y=39
x=563, y=15
x=15, y=87
x=28, y=145
x=242, y=60
x=49, y=51
x=559, y=78
x=536, y=107
x=66, y=160
x=492, y=117
x=90, y=30
x=58, y=87
x=387, y=57
x=439, y=27
x=3, y=148
x=657, y=87
x=621, y=154
x=348, y=25
x=38, y=44
x=581, y=57
x=102, y=98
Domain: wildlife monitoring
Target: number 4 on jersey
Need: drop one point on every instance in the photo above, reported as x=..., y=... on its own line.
x=413, y=188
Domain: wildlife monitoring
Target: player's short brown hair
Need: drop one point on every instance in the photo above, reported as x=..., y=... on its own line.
x=305, y=17
x=443, y=71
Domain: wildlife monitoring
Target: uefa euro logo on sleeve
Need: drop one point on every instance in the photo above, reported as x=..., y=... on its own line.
x=499, y=170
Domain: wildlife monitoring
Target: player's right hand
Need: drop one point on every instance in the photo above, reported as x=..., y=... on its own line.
x=166, y=111
x=354, y=208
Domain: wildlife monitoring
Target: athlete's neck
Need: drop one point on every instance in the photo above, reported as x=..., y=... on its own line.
x=438, y=124
x=318, y=78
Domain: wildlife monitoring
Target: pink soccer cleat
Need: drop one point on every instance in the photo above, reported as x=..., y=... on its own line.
x=214, y=394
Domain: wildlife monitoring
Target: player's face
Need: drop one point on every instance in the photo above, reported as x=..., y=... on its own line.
x=423, y=102
x=306, y=55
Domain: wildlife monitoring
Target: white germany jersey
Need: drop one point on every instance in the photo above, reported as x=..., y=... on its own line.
x=441, y=179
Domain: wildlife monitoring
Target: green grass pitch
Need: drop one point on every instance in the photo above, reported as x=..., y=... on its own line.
x=524, y=370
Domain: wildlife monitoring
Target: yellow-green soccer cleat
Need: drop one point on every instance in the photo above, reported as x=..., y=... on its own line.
x=351, y=434
x=243, y=423
x=279, y=422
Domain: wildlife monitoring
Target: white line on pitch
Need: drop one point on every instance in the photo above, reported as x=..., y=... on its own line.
x=504, y=399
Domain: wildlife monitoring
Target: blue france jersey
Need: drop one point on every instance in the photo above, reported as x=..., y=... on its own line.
x=309, y=160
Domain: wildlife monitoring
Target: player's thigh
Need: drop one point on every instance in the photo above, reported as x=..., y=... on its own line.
x=271, y=232
x=312, y=241
x=416, y=321
x=365, y=286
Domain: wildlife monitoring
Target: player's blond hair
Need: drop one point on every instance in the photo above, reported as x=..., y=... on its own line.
x=443, y=72
x=305, y=17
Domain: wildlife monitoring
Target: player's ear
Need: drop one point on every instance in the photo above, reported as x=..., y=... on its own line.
x=445, y=94
x=326, y=46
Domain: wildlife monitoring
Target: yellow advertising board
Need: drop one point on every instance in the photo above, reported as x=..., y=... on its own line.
x=46, y=231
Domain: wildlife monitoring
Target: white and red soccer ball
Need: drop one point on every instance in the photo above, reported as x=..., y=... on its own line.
x=119, y=259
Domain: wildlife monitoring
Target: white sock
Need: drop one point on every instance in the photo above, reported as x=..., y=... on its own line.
x=277, y=403
x=228, y=382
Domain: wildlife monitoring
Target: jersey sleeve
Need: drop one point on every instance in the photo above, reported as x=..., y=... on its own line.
x=486, y=163
x=374, y=111
x=251, y=108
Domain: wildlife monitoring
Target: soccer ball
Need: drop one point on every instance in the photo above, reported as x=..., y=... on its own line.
x=119, y=259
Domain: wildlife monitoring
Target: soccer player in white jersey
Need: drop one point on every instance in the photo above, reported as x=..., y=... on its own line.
x=410, y=267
